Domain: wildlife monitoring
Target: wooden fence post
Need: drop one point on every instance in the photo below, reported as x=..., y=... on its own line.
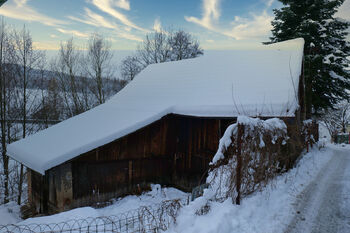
x=239, y=163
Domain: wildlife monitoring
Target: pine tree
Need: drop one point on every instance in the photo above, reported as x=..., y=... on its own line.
x=325, y=64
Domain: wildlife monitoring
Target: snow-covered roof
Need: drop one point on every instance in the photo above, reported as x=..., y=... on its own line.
x=259, y=82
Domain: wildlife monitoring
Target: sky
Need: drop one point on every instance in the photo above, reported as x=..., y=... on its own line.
x=217, y=24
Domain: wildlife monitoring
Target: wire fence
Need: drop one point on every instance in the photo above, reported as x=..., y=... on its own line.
x=146, y=220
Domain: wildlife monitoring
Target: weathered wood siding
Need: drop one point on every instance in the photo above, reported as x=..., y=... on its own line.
x=175, y=151
x=37, y=194
x=60, y=189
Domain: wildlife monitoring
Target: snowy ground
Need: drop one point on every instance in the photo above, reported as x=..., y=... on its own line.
x=312, y=197
x=9, y=213
x=324, y=205
x=276, y=208
x=157, y=195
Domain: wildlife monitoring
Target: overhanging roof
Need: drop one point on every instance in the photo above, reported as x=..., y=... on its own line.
x=259, y=82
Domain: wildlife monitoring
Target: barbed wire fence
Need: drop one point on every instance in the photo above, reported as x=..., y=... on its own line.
x=146, y=219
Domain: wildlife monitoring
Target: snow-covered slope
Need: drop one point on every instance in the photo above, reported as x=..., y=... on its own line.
x=259, y=82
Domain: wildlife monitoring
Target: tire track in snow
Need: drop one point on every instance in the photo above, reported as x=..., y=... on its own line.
x=324, y=205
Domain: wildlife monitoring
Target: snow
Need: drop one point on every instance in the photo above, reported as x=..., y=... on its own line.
x=268, y=125
x=9, y=213
x=120, y=206
x=261, y=82
x=224, y=142
x=267, y=211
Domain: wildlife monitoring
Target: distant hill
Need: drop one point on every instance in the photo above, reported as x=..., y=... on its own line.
x=40, y=79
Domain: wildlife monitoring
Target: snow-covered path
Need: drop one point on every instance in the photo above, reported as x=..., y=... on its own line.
x=324, y=205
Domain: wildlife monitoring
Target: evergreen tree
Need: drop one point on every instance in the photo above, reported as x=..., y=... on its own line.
x=325, y=64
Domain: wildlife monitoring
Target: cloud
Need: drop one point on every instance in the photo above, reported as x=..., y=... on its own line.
x=94, y=19
x=269, y=3
x=53, y=45
x=255, y=26
x=107, y=7
x=124, y=4
x=18, y=9
x=157, y=26
x=210, y=13
x=73, y=32
x=20, y=3
x=129, y=36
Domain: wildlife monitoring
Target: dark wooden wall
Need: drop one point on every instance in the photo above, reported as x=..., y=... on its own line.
x=174, y=151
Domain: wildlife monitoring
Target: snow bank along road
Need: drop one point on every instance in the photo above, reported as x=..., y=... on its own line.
x=324, y=205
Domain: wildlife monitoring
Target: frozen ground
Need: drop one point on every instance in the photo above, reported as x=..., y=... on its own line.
x=312, y=197
x=157, y=195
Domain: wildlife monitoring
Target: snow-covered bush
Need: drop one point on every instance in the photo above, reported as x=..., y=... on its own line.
x=250, y=153
x=310, y=133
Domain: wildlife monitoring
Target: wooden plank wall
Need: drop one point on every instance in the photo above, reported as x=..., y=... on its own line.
x=175, y=150
x=36, y=186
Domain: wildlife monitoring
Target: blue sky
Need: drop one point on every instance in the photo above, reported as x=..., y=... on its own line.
x=217, y=24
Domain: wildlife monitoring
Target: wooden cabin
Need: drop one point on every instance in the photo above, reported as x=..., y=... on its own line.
x=163, y=127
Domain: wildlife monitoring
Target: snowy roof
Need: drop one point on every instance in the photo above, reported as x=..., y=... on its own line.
x=259, y=82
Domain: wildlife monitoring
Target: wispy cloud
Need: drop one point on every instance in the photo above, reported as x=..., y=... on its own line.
x=211, y=12
x=96, y=20
x=18, y=9
x=255, y=26
x=107, y=7
x=73, y=32
x=269, y=3
x=20, y=2
x=53, y=45
x=129, y=36
x=157, y=26
x=124, y=4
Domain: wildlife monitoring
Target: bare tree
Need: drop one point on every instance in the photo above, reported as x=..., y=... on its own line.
x=8, y=101
x=130, y=67
x=98, y=65
x=183, y=46
x=337, y=119
x=50, y=107
x=68, y=69
x=161, y=47
x=3, y=107
x=154, y=49
x=26, y=58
